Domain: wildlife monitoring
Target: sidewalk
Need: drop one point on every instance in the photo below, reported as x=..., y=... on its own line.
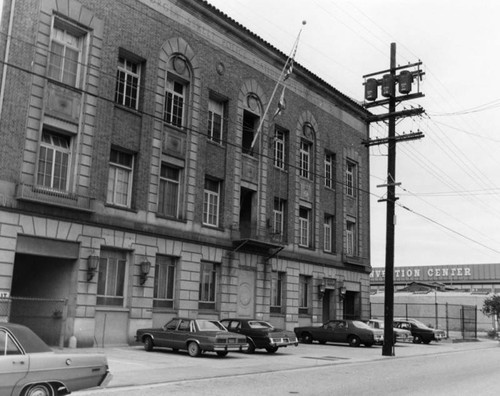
x=133, y=366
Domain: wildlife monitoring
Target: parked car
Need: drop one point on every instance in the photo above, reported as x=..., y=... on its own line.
x=29, y=367
x=261, y=334
x=353, y=332
x=419, y=331
x=401, y=335
x=194, y=335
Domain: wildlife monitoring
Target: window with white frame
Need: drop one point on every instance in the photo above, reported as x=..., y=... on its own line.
x=351, y=179
x=328, y=233
x=304, y=227
x=120, y=178
x=111, y=278
x=278, y=280
x=305, y=159
x=279, y=216
x=54, y=161
x=169, y=194
x=164, y=286
x=65, y=53
x=211, y=202
x=216, y=120
x=305, y=294
x=208, y=285
x=329, y=170
x=279, y=148
x=175, y=102
x=128, y=77
x=351, y=238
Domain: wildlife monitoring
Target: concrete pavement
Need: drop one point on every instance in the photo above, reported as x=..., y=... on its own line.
x=133, y=366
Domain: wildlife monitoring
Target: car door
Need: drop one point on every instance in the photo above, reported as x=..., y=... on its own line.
x=165, y=337
x=340, y=331
x=325, y=332
x=14, y=365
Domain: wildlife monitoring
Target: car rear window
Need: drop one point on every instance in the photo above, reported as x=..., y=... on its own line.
x=259, y=325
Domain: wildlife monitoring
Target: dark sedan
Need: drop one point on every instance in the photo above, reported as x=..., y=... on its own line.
x=261, y=334
x=419, y=331
x=353, y=332
x=194, y=335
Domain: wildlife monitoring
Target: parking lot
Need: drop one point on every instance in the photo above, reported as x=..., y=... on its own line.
x=132, y=366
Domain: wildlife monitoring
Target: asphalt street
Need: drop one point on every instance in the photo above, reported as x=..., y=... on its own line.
x=131, y=366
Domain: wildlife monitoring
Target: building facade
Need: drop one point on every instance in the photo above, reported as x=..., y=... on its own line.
x=130, y=187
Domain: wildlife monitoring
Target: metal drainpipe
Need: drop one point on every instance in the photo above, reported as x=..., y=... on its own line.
x=6, y=56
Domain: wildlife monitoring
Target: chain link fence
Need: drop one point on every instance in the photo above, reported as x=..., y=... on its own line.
x=46, y=317
x=455, y=318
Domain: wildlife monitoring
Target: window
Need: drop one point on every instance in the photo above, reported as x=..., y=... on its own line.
x=110, y=284
x=211, y=199
x=53, y=161
x=65, y=49
x=279, y=149
x=305, y=159
x=278, y=216
x=164, y=287
x=170, y=177
x=328, y=233
x=7, y=345
x=277, y=292
x=120, y=178
x=175, y=99
x=216, y=120
x=351, y=179
x=128, y=77
x=351, y=236
x=208, y=285
x=330, y=170
x=304, y=227
x=250, y=124
x=304, y=294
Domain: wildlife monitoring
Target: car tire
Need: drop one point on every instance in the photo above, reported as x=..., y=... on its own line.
x=148, y=344
x=271, y=349
x=307, y=338
x=222, y=353
x=417, y=339
x=251, y=347
x=354, y=341
x=193, y=349
x=39, y=390
x=426, y=341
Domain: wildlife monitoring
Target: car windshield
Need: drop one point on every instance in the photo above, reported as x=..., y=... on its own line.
x=420, y=324
x=378, y=325
x=210, y=325
x=360, y=325
x=259, y=325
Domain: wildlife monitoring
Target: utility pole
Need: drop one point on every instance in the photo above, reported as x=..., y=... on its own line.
x=388, y=83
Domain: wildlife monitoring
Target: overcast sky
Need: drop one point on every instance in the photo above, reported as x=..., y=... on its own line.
x=448, y=209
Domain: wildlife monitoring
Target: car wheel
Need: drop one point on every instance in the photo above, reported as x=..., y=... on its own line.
x=148, y=344
x=39, y=390
x=251, y=346
x=271, y=349
x=354, y=341
x=417, y=339
x=194, y=349
x=222, y=353
x=307, y=338
x=426, y=341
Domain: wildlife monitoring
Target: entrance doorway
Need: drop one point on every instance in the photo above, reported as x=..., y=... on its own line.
x=246, y=294
x=329, y=305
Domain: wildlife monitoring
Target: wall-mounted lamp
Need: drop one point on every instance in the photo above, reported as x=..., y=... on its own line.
x=92, y=264
x=145, y=268
x=342, y=292
x=321, y=290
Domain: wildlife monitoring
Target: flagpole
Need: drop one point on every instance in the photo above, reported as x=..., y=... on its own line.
x=280, y=81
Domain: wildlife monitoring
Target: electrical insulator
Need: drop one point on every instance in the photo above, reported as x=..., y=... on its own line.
x=371, y=88
x=388, y=85
x=405, y=80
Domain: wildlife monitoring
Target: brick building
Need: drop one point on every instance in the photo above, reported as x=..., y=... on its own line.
x=128, y=187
